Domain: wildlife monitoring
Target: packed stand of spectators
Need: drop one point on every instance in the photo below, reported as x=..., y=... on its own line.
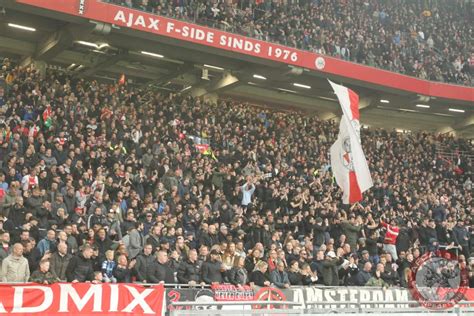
x=429, y=39
x=105, y=183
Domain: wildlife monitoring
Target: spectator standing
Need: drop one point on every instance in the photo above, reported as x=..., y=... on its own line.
x=59, y=261
x=48, y=244
x=80, y=268
x=108, y=267
x=124, y=269
x=351, y=228
x=5, y=248
x=238, y=274
x=136, y=241
x=329, y=268
x=15, y=267
x=461, y=237
x=159, y=271
x=144, y=261
x=247, y=191
x=189, y=270
x=319, y=232
x=390, y=240
x=212, y=269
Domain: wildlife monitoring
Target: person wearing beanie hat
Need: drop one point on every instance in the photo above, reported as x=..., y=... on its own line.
x=211, y=271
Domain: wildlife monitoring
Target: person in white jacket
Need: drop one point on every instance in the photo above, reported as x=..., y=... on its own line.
x=15, y=267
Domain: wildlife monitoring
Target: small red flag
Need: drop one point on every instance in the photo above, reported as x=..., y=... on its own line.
x=122, y=80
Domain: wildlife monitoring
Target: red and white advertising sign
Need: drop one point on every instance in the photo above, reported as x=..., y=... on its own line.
x=232, y=293
x=81, y=299
x=189, y=32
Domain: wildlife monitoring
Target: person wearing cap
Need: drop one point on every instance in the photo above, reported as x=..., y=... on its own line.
x=329, y=268
x=189, y=240
x=211, y=271
x=223, y=233
x=364, y=258
x=164, y=245
x=240, y=234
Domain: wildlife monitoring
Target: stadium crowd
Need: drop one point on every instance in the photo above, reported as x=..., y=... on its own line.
x=109, y=183
x=429, y=39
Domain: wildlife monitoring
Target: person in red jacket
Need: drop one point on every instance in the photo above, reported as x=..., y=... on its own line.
x=390, y=241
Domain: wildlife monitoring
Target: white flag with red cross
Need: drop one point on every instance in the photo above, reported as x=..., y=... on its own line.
x=348, y=162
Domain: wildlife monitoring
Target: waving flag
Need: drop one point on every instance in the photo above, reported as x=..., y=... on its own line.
x=47, y=116
x=347, y=158
x=205, y=150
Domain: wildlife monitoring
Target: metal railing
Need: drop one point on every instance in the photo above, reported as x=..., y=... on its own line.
x=414, y=307
x=235, y=308
x=452, y=154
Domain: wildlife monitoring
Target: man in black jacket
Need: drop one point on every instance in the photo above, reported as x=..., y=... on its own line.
x=153, y=237
x=364, y=275
x=160, y=272
x=189, y=271
x=319, y=232
x=209, y=238
x=211, y=269
x=80, y=267
x=103, y=243
x=144, y=262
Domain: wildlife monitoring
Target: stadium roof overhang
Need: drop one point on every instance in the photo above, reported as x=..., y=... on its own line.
x=104, y=51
